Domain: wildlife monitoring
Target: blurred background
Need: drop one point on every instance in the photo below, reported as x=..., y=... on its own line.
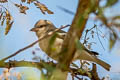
x=21, y=36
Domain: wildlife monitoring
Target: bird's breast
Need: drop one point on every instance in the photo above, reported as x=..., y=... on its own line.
x=54, y=49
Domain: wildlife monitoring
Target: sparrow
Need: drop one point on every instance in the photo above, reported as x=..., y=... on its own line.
x=52, y=44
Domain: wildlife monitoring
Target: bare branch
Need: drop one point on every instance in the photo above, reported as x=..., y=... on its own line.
x=99, y=37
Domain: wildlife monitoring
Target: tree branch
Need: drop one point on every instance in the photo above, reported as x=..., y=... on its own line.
x=85, y=7
x=39, y=65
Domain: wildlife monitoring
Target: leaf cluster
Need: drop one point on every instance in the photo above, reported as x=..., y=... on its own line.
x=5, y=14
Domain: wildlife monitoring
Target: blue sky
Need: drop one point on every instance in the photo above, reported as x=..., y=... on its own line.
x=20, y=36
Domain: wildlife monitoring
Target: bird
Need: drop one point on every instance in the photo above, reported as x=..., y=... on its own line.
x=52, y=44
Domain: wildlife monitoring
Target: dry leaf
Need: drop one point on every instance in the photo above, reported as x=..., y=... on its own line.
x=22, y=8
x=17, y=5
x=8, y=27
x=43, y=8
x=23, y=0
x=3, y=1
x=30, y=1
x=8, y=16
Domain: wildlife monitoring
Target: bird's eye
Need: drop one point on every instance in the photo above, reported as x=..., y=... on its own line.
x=41, y=26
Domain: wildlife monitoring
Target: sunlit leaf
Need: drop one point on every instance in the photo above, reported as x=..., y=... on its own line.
x=8, y=16
x=3, y=1
x=43, y=8
x=22, y=8
x=7, y=22
x=30, y=1
x=8, y=27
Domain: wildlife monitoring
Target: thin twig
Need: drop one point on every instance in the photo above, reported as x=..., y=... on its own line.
x=66, y=10
x=78, y=77
x=87, y=33
x=99, y=38
x=20, y=50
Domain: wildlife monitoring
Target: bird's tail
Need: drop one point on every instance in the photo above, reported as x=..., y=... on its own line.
x=102, y=63
x=83, y=55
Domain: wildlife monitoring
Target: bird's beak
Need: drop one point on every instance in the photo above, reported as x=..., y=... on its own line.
x=34, y=29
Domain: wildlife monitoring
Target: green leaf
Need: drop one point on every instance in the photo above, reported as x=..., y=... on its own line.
x=111, y=42
x=111, y=3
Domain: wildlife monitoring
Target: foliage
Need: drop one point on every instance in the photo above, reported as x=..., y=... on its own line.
x=6, y=16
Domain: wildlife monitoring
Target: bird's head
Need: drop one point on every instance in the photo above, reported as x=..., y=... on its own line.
x=43, y=26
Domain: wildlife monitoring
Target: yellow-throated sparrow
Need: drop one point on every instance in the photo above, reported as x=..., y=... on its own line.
x=53, y=48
